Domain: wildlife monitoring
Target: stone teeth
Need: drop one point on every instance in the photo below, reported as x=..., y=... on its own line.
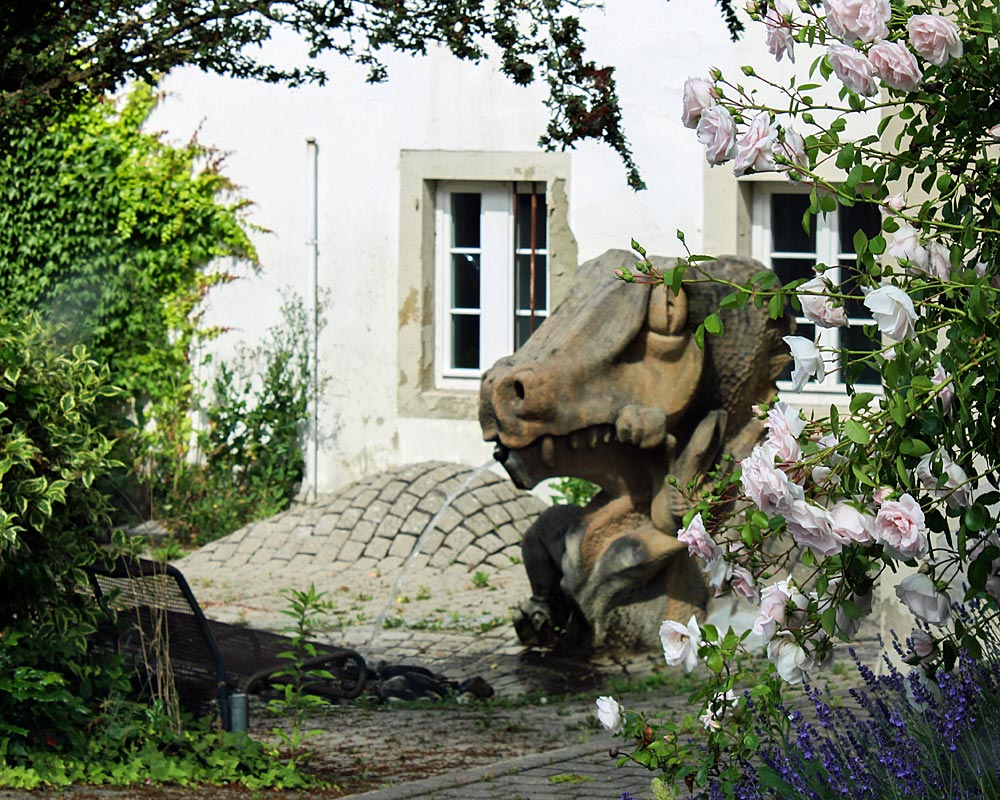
x=574, y=440
x=608, y=434
x=592, y=435
x=548, y=452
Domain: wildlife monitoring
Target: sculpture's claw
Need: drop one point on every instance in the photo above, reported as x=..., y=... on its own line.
x=534, y=624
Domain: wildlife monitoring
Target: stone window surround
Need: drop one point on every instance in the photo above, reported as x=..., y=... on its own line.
x=420, y=170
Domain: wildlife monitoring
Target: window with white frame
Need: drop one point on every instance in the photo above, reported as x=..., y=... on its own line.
x=492, y=274
x=781, y=241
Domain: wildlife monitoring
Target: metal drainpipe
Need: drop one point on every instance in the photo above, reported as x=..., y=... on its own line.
x=313, y=244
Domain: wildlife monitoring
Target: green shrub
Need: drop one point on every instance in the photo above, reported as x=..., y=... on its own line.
x=53, y=521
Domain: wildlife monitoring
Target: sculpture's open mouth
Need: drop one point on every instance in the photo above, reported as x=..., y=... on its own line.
x=593, y=453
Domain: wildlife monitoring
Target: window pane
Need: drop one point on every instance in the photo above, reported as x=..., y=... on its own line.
x=464, y=281
x=862, y=216
x=806, y=331
x=790, y=269
x=465, y=210
x=787, y=234
x=522, y=237
x=522, y=282
x=849, y=285
x=523, y=328
x=464, y=341
x=853, y=338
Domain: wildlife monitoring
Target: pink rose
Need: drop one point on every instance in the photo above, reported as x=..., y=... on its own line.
x=717, y=131
x=918, y=593
x=742, y=582
x=755, y=151
x=680, y=643
x=899, y=526
x=808, y=362
x=817, y=306
x=850, y=525
x=893, y=311
x=773, y=610
x=895, y=65
x=784, y=425
x=696, y=98
x=853, y=68
x=809, y=525
x=896, y=202
x=779, y=31
x=921, y=646
x=934, y=38
x=866, y=20
x=946, y=394
x=791, y=146
x=698, y=540
x=767, y=486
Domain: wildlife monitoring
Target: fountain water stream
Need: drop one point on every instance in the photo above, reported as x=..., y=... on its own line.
x=417, y=548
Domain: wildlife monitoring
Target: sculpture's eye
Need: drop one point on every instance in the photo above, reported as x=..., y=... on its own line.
x=667, y=313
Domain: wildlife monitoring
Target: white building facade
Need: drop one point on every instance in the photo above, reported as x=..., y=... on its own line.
x=443, y=234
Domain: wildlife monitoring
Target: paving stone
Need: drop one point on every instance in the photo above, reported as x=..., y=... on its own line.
x=402, y=545
x=479, y=524
x=377, y=547
x=392, y=490
x=457, y=540
x=389, y=526
x=415, y=522
x=449, y=519
x=497, y=514
x=491, y=543
x=472, y=555
x=466, y=505
x=349, y=518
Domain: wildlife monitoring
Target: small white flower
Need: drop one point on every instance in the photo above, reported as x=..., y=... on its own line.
x=817, y=307
x=609, y=714
x=808, y=361
x=680, y=643
x=790, y=660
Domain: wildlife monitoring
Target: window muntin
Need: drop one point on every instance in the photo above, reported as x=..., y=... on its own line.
x=780, y=241
x=493, y=284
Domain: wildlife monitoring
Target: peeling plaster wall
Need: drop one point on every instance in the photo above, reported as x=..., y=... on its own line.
x=369, y=421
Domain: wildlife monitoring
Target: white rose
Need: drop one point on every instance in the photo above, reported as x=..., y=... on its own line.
x=951, y=482
x=808, y=361
x=939, y=258
x=893, y=311
x=680, y=643
x=906, y=245
x=789, y=659
x=609, y=714
x=918, y=593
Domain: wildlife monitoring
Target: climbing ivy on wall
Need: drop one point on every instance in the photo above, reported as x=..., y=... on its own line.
x=110, y=232
x=116, y=237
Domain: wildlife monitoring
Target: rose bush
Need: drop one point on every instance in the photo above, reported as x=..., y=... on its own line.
x=900, y=478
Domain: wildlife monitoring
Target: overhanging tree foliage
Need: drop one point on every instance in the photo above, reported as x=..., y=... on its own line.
x=53, y=52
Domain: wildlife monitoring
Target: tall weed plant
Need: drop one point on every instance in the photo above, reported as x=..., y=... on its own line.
x=250, y=457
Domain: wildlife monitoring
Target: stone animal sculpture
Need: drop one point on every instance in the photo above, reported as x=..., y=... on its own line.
x=614, y=389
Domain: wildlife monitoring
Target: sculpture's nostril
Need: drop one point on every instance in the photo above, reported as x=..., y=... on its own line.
x=519, y=390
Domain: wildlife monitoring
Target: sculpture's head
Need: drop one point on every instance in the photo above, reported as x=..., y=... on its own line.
x=613, y=382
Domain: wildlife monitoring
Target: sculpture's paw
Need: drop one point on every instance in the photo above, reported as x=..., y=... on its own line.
x=642, y=426
x=534, y=624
